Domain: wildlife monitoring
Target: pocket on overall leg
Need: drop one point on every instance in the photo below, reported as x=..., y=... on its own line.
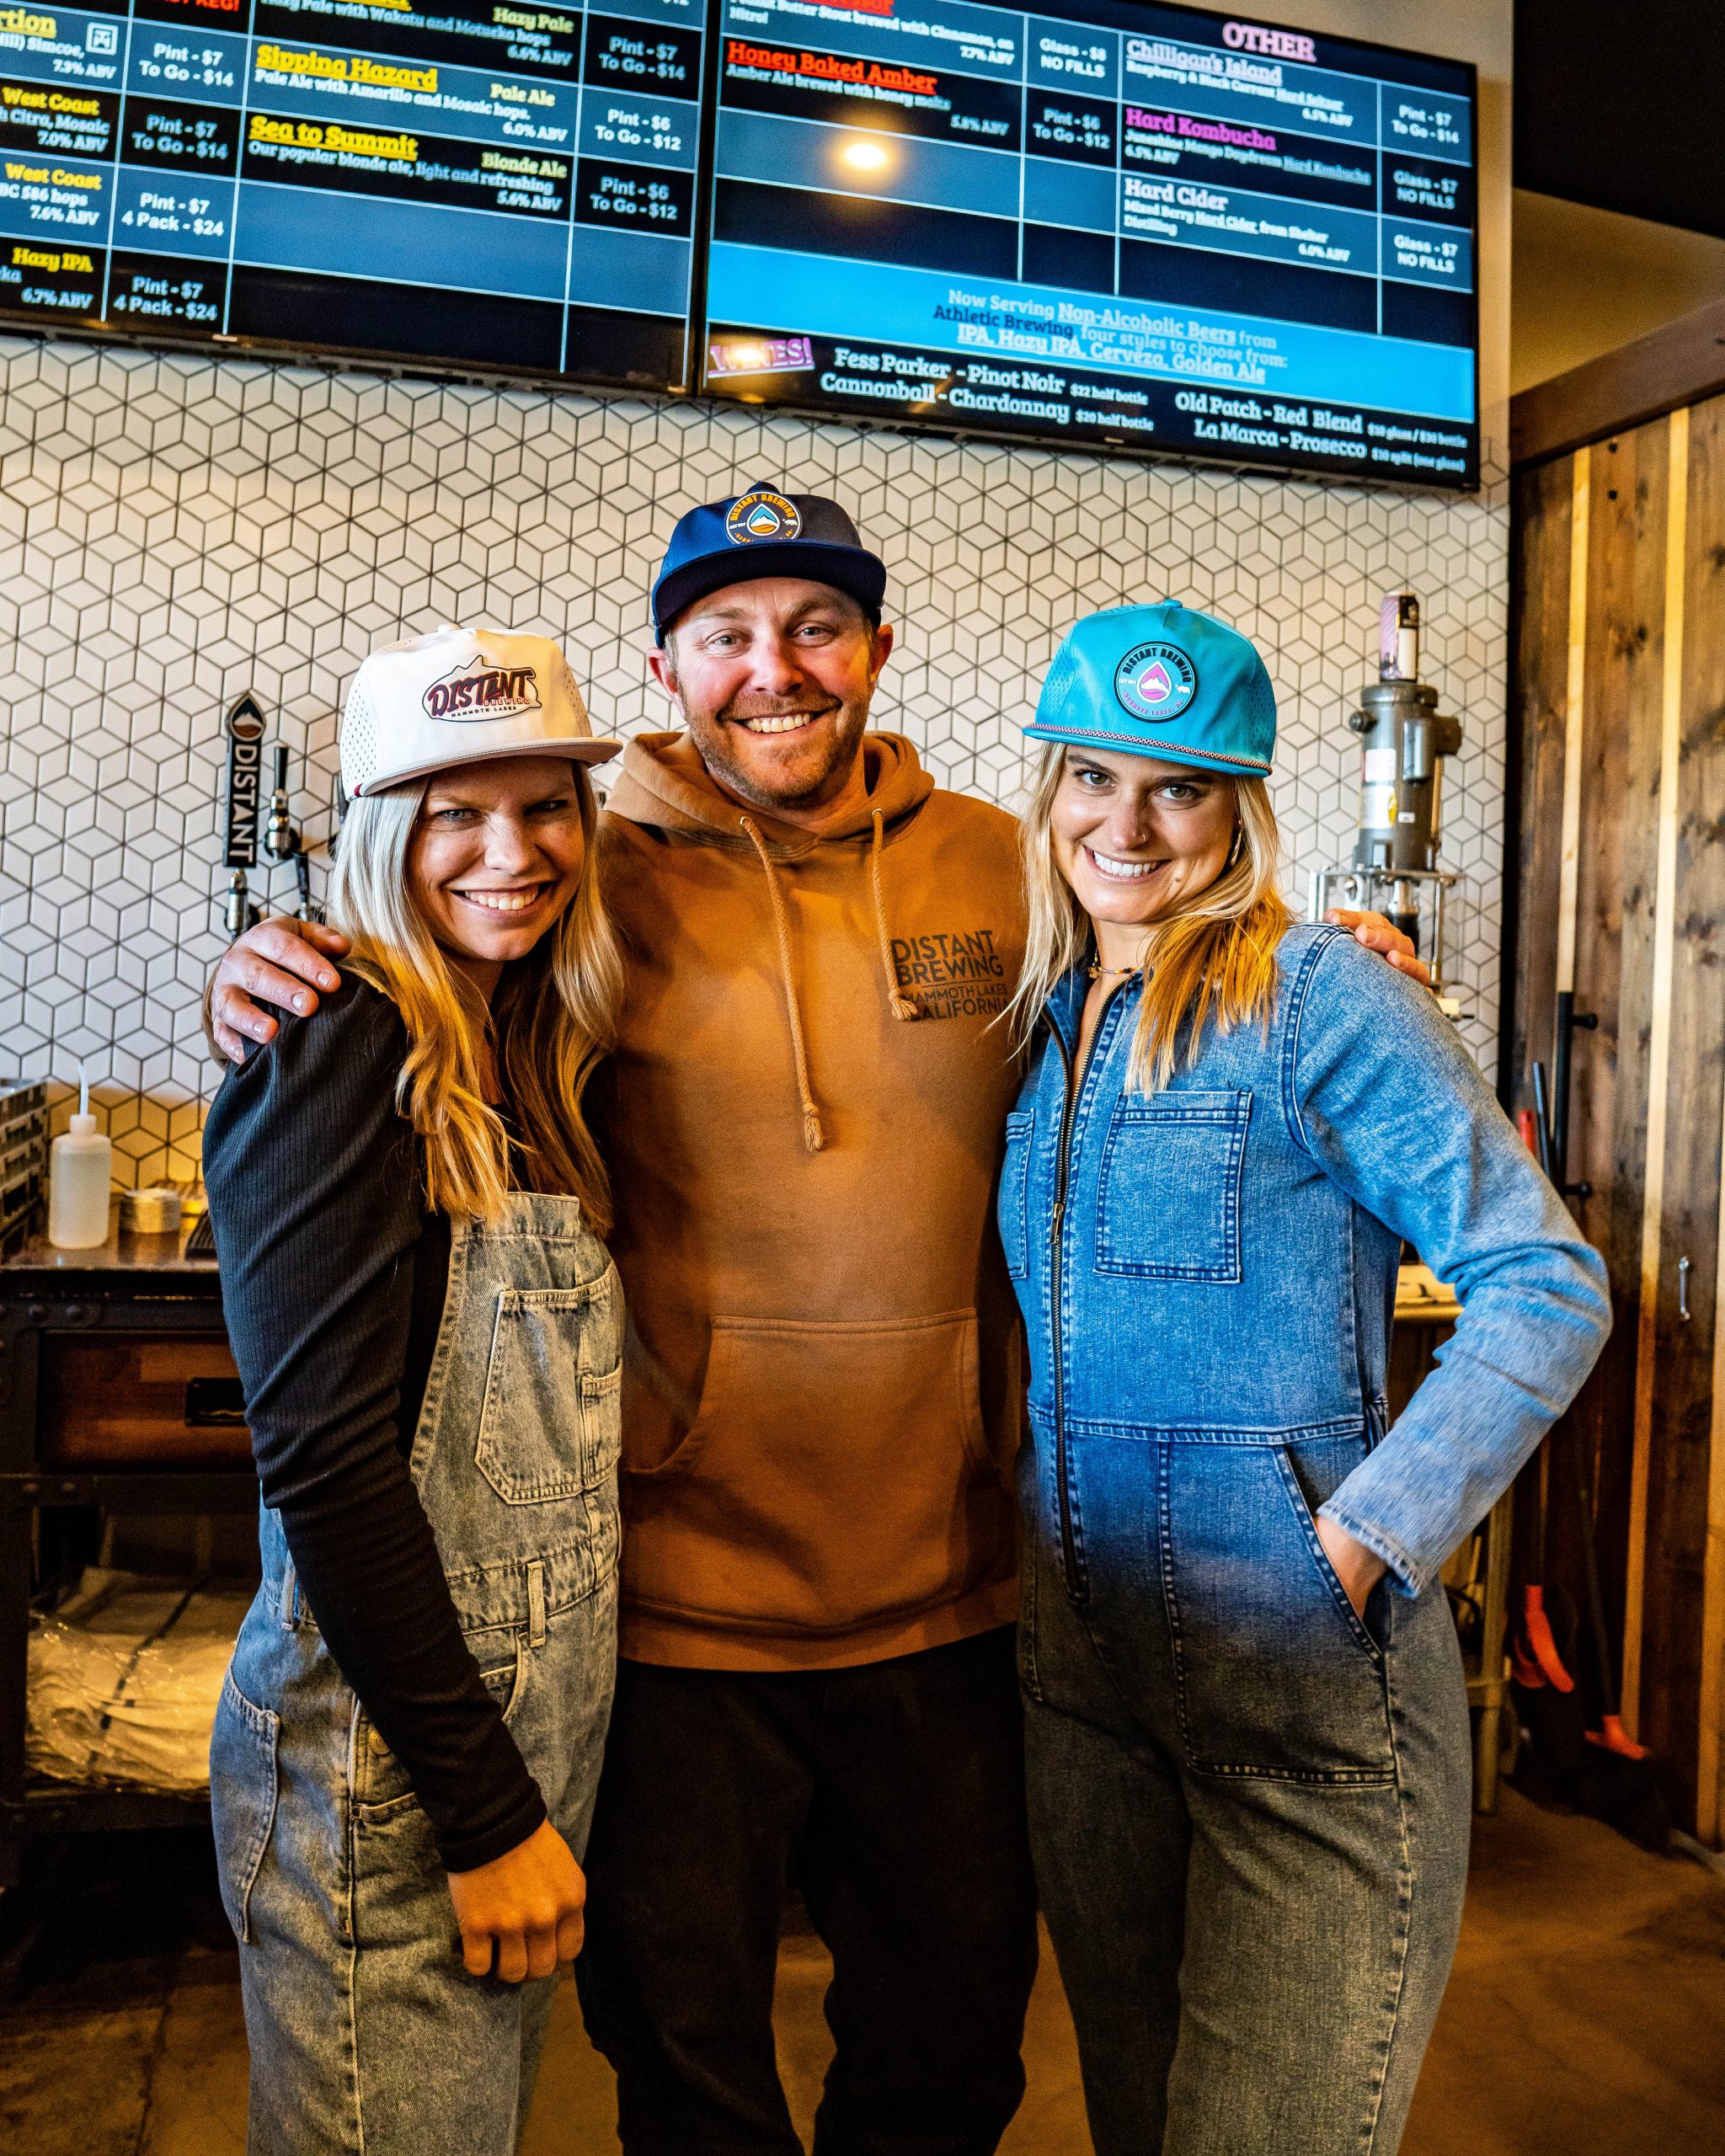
x=550, y=1426
x=1277, y=1675
x=378, y=1787
x=242, y=1791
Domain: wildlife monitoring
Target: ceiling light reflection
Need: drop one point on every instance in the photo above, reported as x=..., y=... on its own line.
x=864, y=157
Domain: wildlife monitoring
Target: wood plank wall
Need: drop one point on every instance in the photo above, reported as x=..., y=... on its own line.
x=1696, y=1482
x=1619, y=726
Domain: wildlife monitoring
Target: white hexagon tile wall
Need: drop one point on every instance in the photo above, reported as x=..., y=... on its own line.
x=176, y=530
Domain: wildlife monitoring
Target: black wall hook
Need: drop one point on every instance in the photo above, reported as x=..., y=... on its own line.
x=1552, y=1105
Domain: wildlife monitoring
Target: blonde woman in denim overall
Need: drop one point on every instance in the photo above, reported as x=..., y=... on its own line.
x=406, y=1206
x=1246, y=1726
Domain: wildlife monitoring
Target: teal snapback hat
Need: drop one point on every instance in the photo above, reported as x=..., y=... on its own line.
x=1164, y=681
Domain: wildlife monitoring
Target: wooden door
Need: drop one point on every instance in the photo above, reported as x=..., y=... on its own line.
x=1619, y=727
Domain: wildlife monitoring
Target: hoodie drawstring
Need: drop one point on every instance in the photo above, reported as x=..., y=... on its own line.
x=813, y=1136
x=900, y=1006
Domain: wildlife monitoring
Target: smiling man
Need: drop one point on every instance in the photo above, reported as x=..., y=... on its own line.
x=822, y=1389
x=822, y=1395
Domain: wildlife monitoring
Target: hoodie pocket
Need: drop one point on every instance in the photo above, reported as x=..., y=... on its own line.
x=836, y=1474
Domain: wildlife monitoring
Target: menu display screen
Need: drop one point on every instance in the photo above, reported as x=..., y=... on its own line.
x=508, y=186
x=1098, y=222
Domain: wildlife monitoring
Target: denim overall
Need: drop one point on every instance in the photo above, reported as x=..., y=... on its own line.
x=1249, y=1806
x=366, y=2034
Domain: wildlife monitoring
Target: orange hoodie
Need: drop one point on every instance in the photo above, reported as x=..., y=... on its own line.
x=822, y=1390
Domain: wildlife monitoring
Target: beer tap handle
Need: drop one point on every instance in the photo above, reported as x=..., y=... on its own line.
x=238, y=914
x=281, y=839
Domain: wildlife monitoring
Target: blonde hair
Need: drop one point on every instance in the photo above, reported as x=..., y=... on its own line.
x=1212, y=959
x=553, y=1017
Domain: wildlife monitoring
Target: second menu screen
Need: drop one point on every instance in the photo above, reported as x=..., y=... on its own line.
x=1098, y=222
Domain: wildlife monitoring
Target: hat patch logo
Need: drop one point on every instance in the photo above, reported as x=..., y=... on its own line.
x=760, y=516
x=482, y=690
x=1153, y=684
x=1155, y=681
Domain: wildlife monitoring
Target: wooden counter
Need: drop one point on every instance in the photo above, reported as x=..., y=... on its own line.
x=117, y=1394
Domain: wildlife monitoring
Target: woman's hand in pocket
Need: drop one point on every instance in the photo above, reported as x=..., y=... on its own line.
x=1358, y=1568
x=524, y=1908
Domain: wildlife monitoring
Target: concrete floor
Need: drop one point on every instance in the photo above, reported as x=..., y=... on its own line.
x=1586, y=2018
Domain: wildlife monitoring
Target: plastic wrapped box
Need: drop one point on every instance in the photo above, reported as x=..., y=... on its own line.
x=123, y=1680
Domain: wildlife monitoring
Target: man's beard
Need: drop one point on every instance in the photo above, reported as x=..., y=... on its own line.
x=807, y=789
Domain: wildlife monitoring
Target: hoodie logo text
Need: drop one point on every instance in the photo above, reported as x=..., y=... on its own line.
x=957, y=975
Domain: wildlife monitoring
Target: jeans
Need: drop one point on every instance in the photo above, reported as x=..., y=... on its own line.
x=891, y=1795
x=365, y=2032
x=1249, y=1808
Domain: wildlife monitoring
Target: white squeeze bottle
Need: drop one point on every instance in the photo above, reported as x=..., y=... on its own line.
x=80, y=1167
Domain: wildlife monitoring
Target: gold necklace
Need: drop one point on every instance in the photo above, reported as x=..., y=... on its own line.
x=1097, y=971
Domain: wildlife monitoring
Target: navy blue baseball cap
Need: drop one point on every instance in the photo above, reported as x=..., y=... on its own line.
x=1164, y=681
x=764, y=533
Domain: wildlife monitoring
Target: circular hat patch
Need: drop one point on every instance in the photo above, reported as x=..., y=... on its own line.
x=1156, y=680
x=754, y=517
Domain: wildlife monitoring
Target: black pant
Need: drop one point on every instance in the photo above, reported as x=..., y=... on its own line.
x=892, y=1798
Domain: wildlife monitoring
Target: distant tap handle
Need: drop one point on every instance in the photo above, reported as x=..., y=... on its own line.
x=281, y=839
x=238, y=914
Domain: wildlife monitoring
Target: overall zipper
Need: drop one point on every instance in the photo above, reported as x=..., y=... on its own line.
x=1069, y=1548
x=1071, y=1559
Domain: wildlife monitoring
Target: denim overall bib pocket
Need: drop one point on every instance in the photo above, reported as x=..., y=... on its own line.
x=365, y=2032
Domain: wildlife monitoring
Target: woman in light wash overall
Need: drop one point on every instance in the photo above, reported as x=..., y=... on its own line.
x=408, y=1207
x=1247, y=1728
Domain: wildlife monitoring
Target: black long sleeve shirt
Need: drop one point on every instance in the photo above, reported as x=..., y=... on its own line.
x=333, y=1284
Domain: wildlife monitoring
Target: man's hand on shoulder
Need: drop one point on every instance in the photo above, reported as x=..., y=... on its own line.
x=283, y=961
x=1383, y=937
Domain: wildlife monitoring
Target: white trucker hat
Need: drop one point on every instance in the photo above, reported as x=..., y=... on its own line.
x=455, y=697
